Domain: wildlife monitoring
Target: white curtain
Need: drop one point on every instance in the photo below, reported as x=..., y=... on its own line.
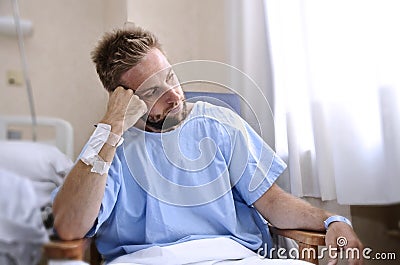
x=336, y=73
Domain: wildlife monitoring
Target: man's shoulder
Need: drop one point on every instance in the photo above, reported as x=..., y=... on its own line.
x=218, y=116
x=221, y=113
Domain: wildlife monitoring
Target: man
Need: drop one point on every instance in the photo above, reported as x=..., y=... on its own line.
x=184, y=174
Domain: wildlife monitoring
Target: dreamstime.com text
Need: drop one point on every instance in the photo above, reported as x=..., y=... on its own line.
x=331, y=252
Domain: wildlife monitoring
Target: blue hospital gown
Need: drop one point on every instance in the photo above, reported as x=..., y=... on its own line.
x=197, y=181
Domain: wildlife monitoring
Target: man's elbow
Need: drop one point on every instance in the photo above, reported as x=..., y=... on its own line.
x=66, y=230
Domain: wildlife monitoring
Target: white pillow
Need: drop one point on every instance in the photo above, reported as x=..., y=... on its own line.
x=44, y=164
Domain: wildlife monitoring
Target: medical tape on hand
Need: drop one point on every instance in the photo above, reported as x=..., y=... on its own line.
x=100, y=166
x=96, y=142
x=114, y=139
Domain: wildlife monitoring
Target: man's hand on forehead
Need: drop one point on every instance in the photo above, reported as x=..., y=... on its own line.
x=124, y=105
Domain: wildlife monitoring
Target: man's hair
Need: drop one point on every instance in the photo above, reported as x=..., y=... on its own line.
x=119, y=51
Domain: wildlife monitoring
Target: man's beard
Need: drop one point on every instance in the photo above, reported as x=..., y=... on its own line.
x=168, y=122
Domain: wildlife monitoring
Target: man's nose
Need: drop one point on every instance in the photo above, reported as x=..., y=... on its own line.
x=171, y=95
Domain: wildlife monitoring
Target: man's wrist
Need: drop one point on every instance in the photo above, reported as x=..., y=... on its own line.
x=91, y=154
x=113, y=139
x=336, y=218
x=116, y=126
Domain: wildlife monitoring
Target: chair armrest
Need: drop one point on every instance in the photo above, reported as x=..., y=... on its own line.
x=308, y=241
x=312, y=238
x=58, y=249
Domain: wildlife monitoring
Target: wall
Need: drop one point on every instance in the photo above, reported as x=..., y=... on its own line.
x=188, y=30
x=63, y=78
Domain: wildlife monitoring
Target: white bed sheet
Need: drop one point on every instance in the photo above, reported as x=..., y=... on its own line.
x=21, y=228
x=209, y=251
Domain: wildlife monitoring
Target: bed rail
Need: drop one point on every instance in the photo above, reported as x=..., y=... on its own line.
x=12, y=126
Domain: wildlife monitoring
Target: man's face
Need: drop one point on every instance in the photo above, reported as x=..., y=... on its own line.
x=154, y=82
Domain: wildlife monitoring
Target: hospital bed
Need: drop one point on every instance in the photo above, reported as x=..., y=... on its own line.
x=29, y=172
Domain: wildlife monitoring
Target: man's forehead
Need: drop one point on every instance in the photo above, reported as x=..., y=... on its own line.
x=151, y=67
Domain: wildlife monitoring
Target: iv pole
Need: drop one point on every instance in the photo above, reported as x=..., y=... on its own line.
x=25, y=68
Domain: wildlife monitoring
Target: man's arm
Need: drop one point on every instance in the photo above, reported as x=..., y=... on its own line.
x=77, y=203
x=286, y=211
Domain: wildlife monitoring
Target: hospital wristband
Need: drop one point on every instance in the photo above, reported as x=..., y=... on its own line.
x=336, y=218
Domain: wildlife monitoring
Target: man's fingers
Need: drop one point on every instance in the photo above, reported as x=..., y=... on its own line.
x=136, y=109
x=343, y=244
x=136, y=105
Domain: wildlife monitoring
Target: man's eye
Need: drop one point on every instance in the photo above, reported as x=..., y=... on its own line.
x=150, y=92
x=170, y=76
